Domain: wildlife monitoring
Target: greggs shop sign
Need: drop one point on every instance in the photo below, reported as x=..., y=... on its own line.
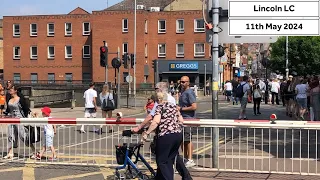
x=184, y=66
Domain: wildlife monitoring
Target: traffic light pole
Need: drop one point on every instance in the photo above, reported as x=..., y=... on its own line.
x=135, y=52
x=106, y=68
x=215, y=79
x=118, y=84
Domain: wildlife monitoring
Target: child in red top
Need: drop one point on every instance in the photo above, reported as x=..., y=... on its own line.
x=2, y=101
x=148, y=107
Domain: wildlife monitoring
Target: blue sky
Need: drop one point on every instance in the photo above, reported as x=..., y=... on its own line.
x=32, y=7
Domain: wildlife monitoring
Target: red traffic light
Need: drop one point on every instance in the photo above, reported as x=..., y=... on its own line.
x=103, y=49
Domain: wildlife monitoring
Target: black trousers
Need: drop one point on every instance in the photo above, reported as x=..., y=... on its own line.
x=256, y=105
x=277, y=98
x=167, y=149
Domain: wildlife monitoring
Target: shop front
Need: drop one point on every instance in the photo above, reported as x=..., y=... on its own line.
x=172, y=70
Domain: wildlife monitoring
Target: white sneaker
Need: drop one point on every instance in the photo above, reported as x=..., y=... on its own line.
x=190, y=163
x=82, y=131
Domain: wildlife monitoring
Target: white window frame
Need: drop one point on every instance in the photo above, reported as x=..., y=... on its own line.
x=146, y=26
x=86, y=56
x=67, y=33
x=48, y=29
x=146, y=50
x=86, y=32
x=16, y=56
x=125, y=44
x=66, y=55
x=199, y=29
x=162, y=31
x=199, y=54
x=178, y=30
x=179, y=54
x=161, y=55
x=16, y=34
x=51, y=56
x=33, y=56
x=33, y=34
x=125, y=30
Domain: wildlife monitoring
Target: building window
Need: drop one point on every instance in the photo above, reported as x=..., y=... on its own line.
x=180, y=50
x=86, y=51
x=146, y=50
x=68, y=52
x=51, y=52
x=68, y=29
x=125, y=48
x=34, y=78
x=199, y=25
x=51, y=78
x=16, y=52
x=50, y=29
x=86, y=28
x=161, y=26
x=161, y=50
x=33, y=52
x=68, y=77
x=146, y=26
x=199, y=50
x=16, y=78
x=125, y=27
x=33, y=30
x=180, y=26
x=16, y=30
x=86, y=77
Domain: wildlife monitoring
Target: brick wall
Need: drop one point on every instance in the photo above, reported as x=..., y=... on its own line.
x=1, y=54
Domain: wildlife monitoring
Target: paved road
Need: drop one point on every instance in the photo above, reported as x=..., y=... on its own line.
x=248, y=149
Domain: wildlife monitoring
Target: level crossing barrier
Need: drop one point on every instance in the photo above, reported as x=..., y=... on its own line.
x=286, y=147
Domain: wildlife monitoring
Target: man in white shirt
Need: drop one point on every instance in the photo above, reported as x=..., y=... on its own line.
x=90, y=96
x=228, y=88
x=275, y=88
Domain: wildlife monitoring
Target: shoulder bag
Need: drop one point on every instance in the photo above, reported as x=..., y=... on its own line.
x=107, y=104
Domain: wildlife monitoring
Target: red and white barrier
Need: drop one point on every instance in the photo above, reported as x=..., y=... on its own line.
x=136, y=121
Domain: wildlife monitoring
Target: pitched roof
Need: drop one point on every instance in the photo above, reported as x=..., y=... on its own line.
x=79, y=10
x=129, y=4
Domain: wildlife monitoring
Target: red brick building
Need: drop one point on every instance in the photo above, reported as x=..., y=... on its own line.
x=66, y=47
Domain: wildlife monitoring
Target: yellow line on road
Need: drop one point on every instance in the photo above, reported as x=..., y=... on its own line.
x=209, y=147
x=28, y=172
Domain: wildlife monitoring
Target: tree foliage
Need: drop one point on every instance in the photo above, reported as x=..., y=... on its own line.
x=304, y=55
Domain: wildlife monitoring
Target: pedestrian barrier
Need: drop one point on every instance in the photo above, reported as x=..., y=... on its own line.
x=287, y=147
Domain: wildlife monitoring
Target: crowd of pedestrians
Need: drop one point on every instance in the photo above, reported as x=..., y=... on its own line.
x=300, y=95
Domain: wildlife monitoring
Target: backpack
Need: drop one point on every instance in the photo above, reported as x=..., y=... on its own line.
x=239, y=90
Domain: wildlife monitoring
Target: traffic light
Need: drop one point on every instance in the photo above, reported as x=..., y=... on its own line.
x=154, y=65
x=125, y=60
x=103, y=56
x=221, y=51
x=132, y=60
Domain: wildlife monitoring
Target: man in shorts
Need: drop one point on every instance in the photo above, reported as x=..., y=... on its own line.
x=187, y=107
x=90, y=96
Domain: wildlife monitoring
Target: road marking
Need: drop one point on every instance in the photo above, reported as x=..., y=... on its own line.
x=244, y=157
x=200, y=148
x=28, y=172
x=210, y=110
x=11, y=169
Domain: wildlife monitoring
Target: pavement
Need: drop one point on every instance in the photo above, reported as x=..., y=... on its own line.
x=80, y=155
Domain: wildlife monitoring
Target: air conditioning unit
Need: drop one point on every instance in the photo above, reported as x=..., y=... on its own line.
x=154, y=9
x=140, y=6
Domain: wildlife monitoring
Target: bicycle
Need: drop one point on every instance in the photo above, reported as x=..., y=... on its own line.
x=124, y=155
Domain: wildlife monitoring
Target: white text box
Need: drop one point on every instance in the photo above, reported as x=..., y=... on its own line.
x=273, y=27
x=275, y=9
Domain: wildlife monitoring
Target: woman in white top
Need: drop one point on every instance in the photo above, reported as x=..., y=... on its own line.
x=104, y=96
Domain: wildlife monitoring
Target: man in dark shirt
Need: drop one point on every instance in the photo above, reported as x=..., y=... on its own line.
x=235, y=84
x=187, y=107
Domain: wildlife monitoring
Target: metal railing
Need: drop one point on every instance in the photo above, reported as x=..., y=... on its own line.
x=66, y=96
x=287, y=147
